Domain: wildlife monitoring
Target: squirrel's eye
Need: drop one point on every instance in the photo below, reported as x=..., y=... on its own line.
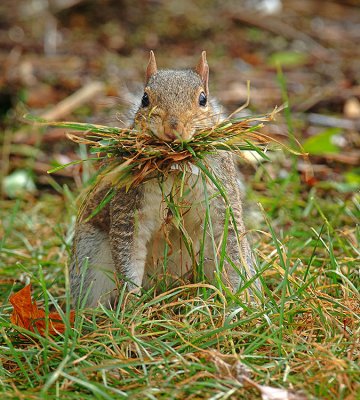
x=202, y=99
x=145, y=100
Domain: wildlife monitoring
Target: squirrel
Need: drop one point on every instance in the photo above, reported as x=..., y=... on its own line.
x=124, y=241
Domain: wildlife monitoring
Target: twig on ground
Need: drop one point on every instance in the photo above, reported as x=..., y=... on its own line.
x=66, y=106
x=329, y=120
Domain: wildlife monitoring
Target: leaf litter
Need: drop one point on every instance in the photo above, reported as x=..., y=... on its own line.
x=27, y=315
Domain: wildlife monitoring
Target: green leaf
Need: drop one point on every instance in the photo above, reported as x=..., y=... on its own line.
x=353, y=177
x=322, y=142
x=287, y=59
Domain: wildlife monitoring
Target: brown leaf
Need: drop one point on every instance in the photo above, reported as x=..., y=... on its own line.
x=27, y=315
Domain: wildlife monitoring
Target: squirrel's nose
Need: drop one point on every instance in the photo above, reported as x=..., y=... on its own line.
x=173, y=128
x=173, y=122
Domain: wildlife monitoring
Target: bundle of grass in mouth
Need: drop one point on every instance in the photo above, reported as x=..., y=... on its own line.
x=135, y=155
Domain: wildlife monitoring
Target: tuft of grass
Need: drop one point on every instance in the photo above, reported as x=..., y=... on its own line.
x=137, y=154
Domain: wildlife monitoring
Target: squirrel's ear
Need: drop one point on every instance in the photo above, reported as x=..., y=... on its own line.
x=202, y=69
x=151, y=68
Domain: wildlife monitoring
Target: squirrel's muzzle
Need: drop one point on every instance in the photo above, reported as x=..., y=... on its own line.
x=174, y=129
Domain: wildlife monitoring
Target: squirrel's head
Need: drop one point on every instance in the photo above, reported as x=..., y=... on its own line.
x=175, y=102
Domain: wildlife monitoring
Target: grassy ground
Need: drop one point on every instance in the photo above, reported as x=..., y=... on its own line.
x=191, y=342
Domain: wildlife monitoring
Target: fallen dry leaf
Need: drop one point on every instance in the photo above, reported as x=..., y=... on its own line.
x=28, y=316
x=274, y=393
x=231, y=367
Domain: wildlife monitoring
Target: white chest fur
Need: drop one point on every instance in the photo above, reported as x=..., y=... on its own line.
x=173, y=212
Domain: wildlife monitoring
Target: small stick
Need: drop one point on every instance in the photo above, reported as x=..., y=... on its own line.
x=75, y=100
x=328, y=120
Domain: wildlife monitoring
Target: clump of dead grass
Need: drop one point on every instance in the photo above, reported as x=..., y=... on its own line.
x=137, y=154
